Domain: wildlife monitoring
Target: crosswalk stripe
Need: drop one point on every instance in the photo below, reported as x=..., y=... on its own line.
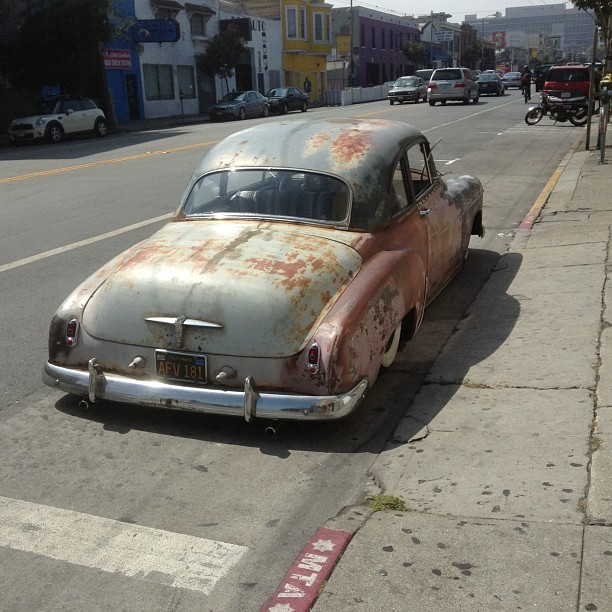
x=113, y=546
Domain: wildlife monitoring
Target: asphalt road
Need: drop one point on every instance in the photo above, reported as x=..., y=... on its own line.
x=212, y=499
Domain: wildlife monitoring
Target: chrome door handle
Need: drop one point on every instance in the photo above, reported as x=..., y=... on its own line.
x=423, y=211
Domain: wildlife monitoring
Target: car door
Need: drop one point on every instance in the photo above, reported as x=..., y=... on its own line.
x=72, y=116
x=422, y=88
x=254, y=104
x=441, y=219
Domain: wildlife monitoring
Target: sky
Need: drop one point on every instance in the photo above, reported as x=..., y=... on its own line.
x=457, y=8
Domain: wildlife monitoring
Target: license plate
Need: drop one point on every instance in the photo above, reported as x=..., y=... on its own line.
x=444, y=85
x=182, y=367
x=566, y=94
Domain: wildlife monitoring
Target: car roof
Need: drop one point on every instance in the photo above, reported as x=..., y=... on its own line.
x=362, y=152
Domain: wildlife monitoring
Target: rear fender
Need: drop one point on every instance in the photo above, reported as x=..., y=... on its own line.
x=356, y=330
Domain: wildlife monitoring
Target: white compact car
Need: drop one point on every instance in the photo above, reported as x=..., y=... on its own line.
x=58, y=117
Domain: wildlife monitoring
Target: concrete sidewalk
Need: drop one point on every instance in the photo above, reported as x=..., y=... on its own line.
x=504, y=459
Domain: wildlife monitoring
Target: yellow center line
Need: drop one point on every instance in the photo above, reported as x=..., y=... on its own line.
x=115, y=160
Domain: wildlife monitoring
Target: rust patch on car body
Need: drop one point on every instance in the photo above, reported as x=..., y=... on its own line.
x=350, y=145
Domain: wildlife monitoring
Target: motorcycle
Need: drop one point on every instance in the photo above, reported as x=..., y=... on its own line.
x=574, y=110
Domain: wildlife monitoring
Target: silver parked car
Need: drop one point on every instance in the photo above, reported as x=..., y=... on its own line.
x=512, y=79
x=240, y=105
x=408, y=89
x=456, y=84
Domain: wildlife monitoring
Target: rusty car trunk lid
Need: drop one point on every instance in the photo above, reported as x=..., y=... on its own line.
x=258, y=288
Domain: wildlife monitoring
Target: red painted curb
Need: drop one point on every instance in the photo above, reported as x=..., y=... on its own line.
x=299, y=589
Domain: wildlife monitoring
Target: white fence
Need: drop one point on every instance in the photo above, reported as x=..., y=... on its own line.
x=355, y=95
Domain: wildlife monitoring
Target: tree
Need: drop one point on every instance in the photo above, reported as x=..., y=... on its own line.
x=471, y=54
x=59, y=44
x=603, y=18
x=223, y=54
x=416, y=52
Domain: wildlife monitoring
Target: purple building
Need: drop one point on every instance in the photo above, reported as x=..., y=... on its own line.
x=376, y=42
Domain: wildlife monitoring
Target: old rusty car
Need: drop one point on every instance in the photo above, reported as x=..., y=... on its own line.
x=301, y=257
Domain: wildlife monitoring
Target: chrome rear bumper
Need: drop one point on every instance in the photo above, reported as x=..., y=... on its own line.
x=249, y=403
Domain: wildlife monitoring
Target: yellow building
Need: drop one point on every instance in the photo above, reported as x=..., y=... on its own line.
x=306, y=31
x=306, y=43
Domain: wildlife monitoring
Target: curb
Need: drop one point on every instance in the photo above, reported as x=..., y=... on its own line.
x=538, y=205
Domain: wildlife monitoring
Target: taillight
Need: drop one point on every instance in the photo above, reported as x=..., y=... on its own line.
x=432, y=86
x=314, y=356
x=72, y=332
x=459, y=84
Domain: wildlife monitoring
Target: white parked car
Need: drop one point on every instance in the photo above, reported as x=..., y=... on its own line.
x=408, y=89
x=58, y=117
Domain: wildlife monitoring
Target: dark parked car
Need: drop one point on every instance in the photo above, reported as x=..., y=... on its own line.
x=491, y=84
x=285, y=99
x=240, y=105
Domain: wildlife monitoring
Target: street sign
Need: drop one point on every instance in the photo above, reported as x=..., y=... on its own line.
x=443, y=36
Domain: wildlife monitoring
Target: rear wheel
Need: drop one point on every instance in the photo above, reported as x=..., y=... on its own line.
x=304, y=106
x=580, y=118
x=391, y=351
x=432, y=103
x=266, y=111
x=391, y=102
x=285, y=108
x=242, y=113
x=101, y=129
x=534, y=116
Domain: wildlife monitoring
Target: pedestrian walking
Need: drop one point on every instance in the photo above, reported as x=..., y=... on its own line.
x=307, y=85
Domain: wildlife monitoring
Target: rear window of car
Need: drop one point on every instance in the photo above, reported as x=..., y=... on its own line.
x=447, y=75
x=411, y=82
x=294, y=194
x=568, y=75
x=488, y=77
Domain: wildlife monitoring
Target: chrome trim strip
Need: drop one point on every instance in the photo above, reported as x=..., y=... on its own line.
x=188, y=322
x=247, y=403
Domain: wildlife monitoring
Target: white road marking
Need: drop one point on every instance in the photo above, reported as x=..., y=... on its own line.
x=153, y=555
x=80, y=243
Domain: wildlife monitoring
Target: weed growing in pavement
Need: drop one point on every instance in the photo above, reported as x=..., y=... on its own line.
x=594, y=443
x=387, y=502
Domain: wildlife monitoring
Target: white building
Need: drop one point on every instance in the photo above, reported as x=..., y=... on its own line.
x=174, y=82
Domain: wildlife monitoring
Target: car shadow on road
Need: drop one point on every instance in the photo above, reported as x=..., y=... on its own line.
x=477, y=299
x=72, y=148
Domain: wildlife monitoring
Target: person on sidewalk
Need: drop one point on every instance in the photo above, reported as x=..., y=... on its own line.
x=307, y=85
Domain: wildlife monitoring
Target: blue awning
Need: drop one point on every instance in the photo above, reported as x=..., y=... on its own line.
x=436, y=53
x=440, y=55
